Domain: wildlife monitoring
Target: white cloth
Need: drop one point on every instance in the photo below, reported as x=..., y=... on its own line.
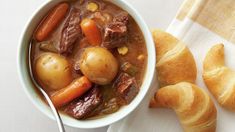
x=199, y=40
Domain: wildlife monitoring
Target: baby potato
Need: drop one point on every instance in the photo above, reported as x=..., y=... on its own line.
x=53, y=70
x=98, y=65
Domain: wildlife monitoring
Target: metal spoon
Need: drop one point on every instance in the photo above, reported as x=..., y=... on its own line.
x=46, y=96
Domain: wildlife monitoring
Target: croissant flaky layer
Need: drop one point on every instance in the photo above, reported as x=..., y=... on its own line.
x=193, y=106
x=219, y=79
x=175, y=62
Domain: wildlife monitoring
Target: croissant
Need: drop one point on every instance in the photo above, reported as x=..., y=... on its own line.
x=219, y=79
x=175, y=62
x=192, y=105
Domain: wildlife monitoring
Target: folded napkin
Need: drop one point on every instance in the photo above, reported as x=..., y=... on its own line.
x=200, y=24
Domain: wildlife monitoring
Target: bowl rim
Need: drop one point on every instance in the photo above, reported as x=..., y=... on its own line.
x=108, y=119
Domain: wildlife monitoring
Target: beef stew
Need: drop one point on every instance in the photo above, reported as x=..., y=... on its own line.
x=90, y=59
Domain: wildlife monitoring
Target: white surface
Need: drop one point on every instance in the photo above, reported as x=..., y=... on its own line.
x=16, y=112
x=197, y=39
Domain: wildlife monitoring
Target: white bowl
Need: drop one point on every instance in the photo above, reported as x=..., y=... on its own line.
x=67, y=120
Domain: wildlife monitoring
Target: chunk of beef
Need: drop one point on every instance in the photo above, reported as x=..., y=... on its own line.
x=83, y=106
x=122, y=17
x=71, y=31
x=115, y=33
x=126, y=87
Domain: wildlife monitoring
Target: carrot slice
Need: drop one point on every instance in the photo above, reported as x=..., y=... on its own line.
x=91, y=31
x=74, y=90
x=51, y=21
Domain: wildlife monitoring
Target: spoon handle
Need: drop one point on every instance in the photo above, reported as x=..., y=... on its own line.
x=54, y=111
